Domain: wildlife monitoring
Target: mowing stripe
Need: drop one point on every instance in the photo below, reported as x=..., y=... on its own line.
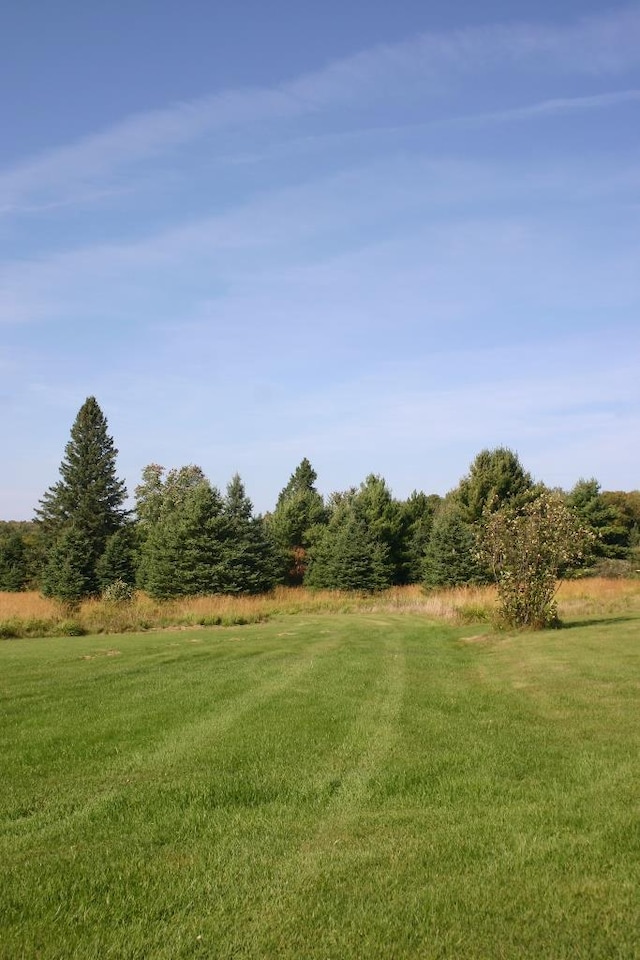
x=349, y=771
x=178, y=744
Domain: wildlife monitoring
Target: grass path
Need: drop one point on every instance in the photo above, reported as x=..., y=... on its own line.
x=335, y=786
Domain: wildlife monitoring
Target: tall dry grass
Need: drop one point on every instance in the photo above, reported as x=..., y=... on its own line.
x=30, y=614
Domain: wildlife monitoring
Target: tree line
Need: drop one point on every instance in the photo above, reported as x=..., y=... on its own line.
x=186, y=537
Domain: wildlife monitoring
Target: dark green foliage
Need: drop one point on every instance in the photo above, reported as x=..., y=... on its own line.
x=87, y=501
x=627, y=505
x=299, y=508
x=417, y=514
x=183, y=549
x=249, y=563
x=374, y=506
x=14, y=564
x=347, y=556
x=451, y=555
x=496, y=478
x=352, y=551
x=194, y=542
x=117, y=562
x=69, y=574
x=602, y=517
x=159, y=500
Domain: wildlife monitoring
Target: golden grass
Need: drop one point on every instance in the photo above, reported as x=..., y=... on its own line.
x=30, y=614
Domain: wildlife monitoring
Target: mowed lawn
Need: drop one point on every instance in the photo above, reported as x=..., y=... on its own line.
x=337, y=786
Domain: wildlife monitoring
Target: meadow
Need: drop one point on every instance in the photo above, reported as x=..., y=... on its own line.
x=366, y=782
x=29, y=614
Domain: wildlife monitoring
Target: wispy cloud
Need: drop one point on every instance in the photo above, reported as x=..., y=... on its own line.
x=545, y=108
x=603, y=45
x=319, y=246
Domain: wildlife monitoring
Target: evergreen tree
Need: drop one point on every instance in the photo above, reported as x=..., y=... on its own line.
x=249, y=562
x=348, y=553
x=496, y=478
x=418, y=513
x=299, y=508
x=118, y=559
x=382, y=516
x=88, y=499
x=68, y=574
x=159, y=500
x=14, y=565
x=450, y=558
x=184, y=548
x=602, y=517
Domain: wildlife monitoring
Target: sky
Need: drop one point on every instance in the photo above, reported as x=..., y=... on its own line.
x=380, y=236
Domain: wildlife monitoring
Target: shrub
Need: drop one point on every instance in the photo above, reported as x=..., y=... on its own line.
x=526, y=549
x=118, y=592
x=10, y=629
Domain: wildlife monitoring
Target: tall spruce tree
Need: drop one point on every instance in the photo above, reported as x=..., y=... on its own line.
x=249, y=558
x=450, y=558
x=88, y=500
x=417, y=514
x=299, y=508
x=183, y=548
x=67, y=575
x=350, y=553
x=602, y=517
x=496, y=478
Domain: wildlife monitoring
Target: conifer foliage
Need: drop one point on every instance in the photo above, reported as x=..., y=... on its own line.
x=194, y=541
x=79, y=513
x=299, y=509
x=250, y=563
x=450, y=556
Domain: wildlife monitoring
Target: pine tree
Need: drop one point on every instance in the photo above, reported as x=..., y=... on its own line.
x=68, y=574
x=601, y=517
x=382, y=516
x=417, y=513
x=249, y=561
x=299, y=508
x=88, y=498
x=117, y=561
x=496, y=478
x=184, y=547
x=450, y=558
x=159, y=499
x=348, y=554
x=14, y=571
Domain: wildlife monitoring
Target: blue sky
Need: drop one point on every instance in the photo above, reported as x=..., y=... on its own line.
x=380, y=236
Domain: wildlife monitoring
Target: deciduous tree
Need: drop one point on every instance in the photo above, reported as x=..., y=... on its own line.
x=526, y=549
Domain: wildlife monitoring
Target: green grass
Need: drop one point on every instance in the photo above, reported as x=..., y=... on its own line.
x=356, y=786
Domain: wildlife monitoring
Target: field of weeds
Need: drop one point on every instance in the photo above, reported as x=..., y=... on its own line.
x=29, y=614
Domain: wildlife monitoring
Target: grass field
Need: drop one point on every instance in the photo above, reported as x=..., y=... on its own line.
x=324, y=786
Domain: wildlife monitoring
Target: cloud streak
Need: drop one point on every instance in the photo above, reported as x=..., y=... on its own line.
x=604, y=45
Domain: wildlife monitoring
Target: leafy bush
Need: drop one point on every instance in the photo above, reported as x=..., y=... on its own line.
x=118, y=592
x=9, y=629
x=526, y=549
x=613, y=569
